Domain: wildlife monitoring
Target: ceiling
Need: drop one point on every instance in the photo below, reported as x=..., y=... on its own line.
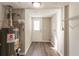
x=47, y=9
x=42, y=12
x=28, y=5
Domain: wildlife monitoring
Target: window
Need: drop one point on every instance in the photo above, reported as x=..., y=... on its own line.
x=36, y=25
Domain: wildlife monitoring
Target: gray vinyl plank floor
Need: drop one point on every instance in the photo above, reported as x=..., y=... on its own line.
x=42, y=49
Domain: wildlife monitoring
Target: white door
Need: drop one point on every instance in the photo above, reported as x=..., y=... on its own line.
x=36, y=29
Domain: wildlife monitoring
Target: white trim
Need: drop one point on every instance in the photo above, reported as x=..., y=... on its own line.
x=59, y=53
x=57, y=50
x=40, y=41
x=27, y=49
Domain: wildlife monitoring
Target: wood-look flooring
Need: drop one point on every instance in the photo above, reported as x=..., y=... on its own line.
x=42, y=49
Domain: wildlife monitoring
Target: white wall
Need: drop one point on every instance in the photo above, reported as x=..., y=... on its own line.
x=27, y=30
x=60, y=33
x=46, y=26
x=44, y=34
x=54, y=30
x=74, y=29
x=37, y=35
x=57, y=37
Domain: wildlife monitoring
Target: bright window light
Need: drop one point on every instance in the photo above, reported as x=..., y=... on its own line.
x=36, y=25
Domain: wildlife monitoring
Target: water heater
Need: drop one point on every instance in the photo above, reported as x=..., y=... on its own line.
x=6, y=47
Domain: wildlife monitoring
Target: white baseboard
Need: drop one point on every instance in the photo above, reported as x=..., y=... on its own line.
x=59, y=53
x=40, y=41
x=27, y=49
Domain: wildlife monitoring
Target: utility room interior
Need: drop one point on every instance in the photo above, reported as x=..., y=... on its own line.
x=39, y=28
